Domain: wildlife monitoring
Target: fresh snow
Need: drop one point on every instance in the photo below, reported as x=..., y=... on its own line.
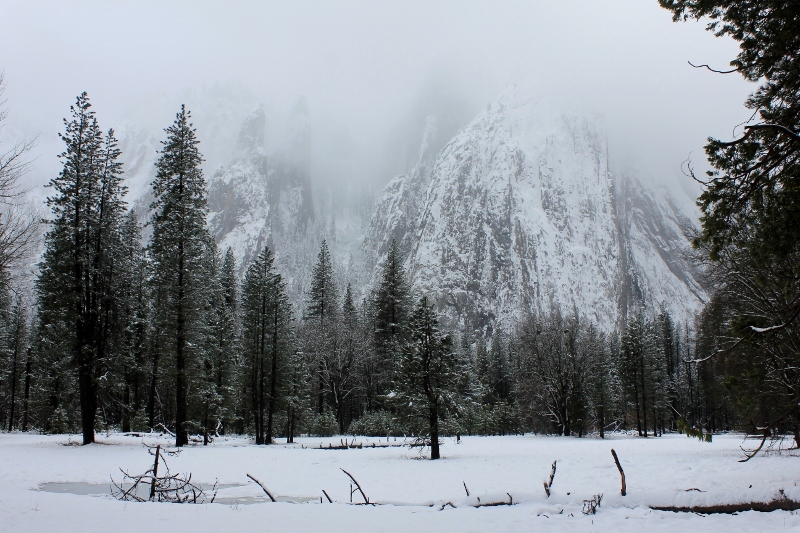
x=659, y=472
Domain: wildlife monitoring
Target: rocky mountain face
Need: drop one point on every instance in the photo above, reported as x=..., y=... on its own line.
x=520, y=213
x=256, y=200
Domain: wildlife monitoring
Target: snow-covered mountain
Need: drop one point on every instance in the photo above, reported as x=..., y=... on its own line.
x=519, y=212
x=254, y=202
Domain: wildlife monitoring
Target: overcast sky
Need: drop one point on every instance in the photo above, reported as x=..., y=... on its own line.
x=363, y=64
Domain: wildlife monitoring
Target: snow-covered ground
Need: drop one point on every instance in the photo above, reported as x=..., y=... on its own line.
x=658, y=471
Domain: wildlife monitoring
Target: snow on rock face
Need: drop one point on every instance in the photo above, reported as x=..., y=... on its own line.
x=397, y=211
x=519, y=213
x=255, y=201
x=657, y=269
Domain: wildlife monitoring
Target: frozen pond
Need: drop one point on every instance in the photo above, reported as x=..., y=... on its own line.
x=229, y=494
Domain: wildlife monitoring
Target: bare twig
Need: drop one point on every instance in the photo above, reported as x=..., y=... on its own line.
x=714, y=70
x=590, y=506
x=326, y=495
x=465, y=488
x=265, y=489
x=366, y=500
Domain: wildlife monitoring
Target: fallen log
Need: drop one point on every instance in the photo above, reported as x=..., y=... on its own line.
x=779, y=504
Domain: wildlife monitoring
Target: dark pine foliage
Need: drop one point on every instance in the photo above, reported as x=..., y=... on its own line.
x=751, y=217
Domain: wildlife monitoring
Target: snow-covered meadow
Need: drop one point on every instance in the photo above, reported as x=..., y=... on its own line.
x=669, y=471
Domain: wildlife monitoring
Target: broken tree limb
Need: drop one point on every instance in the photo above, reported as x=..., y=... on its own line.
x=621, y=473
x=155, y=474
x=366, y=500
x=549, y=484
x=271, y=497
x=495, y=504
x=166, y=430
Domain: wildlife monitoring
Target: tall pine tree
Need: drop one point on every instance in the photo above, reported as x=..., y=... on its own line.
x=391, y=307
x=76, y=273
x=178, y=249
x=268, y=341
x=322, y=311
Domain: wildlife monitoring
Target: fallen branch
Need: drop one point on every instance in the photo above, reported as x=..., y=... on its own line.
x=549, y=484
x=621, y=473
x=271, y=497
x=495, y=504
x=165, y=429
x=446, y=504
x=167, y=487
x=155, y=473
x=358, y=446
x=366, y=500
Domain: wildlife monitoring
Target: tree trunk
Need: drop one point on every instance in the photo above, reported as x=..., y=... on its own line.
x=291, y=427
x=26, y=403
x=321, y=385
x=273, y=379
x=601, y=415
x=151, y=400
x=126, y=409
x=434, y=427
x=636, y=401
x=181, y=435
x=88, y=406
x=644, y=398
x=14, y=377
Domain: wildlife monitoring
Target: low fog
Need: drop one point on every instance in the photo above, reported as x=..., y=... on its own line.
x=367, y=72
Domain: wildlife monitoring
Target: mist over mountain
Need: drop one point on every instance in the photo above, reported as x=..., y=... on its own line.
x=501, y=214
